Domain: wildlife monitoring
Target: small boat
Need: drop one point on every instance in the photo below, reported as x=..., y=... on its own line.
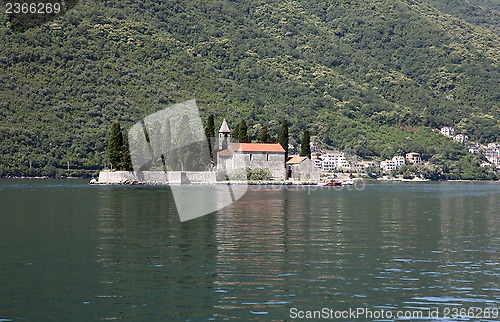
x=331, y=183
x=348, y=182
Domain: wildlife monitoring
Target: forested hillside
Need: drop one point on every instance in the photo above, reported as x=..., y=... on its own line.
x=484, y=13
x=370, y=77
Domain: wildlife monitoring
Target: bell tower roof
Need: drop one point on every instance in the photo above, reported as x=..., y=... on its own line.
x=224, y=128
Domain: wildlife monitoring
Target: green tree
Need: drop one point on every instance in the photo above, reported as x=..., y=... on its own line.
x=242, y=132
x=210, y=133
x=283, y=137
x=305, y=145
x=115, y=146
x=210, y=128
x=126, y=162
x=264, y=135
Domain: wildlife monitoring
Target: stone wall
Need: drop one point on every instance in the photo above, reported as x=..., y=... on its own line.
x=156, y=177
x=305, y=171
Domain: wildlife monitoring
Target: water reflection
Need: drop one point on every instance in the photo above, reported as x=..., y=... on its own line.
x=76, y=252
x=389, y=246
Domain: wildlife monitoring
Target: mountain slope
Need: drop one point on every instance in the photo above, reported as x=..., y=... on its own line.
x=375, y=65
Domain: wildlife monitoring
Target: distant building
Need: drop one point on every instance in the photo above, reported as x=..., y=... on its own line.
x=473, y=147
x=317, y=161
x=332, y=162
x=461, y=138
x=493, y=146
x=301, y=169
x=448, y=131
x=362, y=166
x=388, y=166
x=314, y=147
x=413, y=158
x=492, y=154
x=398, y=160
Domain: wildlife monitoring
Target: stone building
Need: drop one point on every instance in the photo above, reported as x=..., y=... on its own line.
x=302, y=169
x=232, y=156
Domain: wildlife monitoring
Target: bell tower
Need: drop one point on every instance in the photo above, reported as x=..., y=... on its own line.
x=224, y=136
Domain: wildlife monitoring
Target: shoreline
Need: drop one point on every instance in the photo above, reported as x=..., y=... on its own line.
x=269, y=182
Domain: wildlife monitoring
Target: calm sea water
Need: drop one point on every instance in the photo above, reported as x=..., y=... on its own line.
x=74, y=252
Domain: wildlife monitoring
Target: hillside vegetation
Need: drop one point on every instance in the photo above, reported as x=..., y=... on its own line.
x=370, y=77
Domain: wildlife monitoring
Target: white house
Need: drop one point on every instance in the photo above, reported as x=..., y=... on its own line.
x=448, y=131
x=398, y=160
x=332, y=161
x=462, y=138
x=388, y=166
x=492, y=154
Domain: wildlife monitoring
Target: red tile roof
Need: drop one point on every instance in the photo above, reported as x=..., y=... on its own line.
x=295, y=159
x=257, y=147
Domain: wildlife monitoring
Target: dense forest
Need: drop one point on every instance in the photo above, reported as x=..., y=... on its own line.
x=368, y=77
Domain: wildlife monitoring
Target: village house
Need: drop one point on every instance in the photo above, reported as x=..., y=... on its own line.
x=390, y=165
x=316, y=160
x=331, y=162
x=398, y=160
x=461, y=138
x=413, y=158
x=448, y=131
x=314, y=147
x=302, y=169
x=473, y=147
x=363, y=166
x=492, y=154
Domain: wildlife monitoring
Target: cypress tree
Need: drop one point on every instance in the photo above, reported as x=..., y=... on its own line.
x=210, y=128
x=305, y=145
x=210, y=133
x=115, y=146
x=126, y=159
x=283, y=137
x=242, y=133
x=264, y=136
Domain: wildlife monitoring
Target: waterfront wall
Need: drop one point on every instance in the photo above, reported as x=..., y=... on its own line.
x=156, y=177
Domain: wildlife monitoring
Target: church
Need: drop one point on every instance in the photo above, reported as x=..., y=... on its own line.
x=232, y=156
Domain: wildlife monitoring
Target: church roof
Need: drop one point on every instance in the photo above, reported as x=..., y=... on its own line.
x=295, y=159
x=257, y=147
x=224, y=128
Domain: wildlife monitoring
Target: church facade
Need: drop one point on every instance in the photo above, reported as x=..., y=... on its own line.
x=233, y=156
